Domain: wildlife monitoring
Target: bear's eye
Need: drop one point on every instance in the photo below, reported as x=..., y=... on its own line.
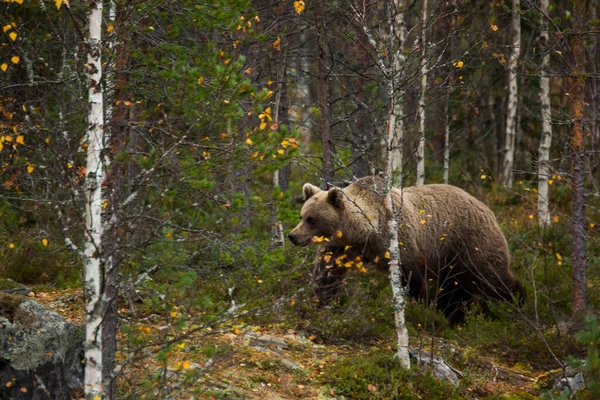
x=310, y=220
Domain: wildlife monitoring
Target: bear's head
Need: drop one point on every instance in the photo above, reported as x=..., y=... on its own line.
x=321, y=215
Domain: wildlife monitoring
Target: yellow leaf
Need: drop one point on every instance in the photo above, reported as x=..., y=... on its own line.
x=8, y=138
x=97, y=398
x=169, y=234
x=339, y=234
x=186, y=365
x=550, y=181
x=58, y=3
x=173, y=313
x=109, y=29
x=226, y=62
x=21, y=139
x=483, y=176
x=421, y=212
x=200, y=80
x=30, y=168
x=19, y=2
x=11, y=246
x=277, y=44
x=105, y=204
x=6, y=28
x=47, y=140
x=13, y=36
x=531, y=216
x=249, y=142
x=558, y=257
x=387, y=254
x=280, y=151
x=127, y=103
x=69, y=165
x=265, y=114
x=255, y=154
x=262, y=126
x=15, y=59
x=299, y=6
x=555, y=219
x=237, y=331
x=45, y=242
x=4, y=67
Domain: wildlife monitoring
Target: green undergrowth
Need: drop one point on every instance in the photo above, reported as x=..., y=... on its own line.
x=379, y=375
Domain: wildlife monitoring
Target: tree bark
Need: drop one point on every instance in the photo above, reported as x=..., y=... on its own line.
x=513, y=101
x=115, y=195
x=447, y=140
x=398, y=24
x=323, y=73
x=93, y=280
x=422, y=100
x=546, y=110
x=577, y=80
x=395, y=26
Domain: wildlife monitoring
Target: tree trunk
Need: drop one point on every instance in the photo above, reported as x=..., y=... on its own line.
x=323, y=73
x=92, y=280
x=114, y=194
x=279, y=237
x=546, y=110
x=395, y=24
x=422, y=100
x=398, y=25
x=577, y=80
x=447, y=140
x=513, y=101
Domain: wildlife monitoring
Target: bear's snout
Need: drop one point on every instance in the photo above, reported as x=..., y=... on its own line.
x=293, y=239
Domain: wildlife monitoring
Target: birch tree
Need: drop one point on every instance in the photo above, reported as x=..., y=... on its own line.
x=546, y=111
x=422, y=99
x=398, y=26
x=391, y=68
x=92, y=283
x=513, y=101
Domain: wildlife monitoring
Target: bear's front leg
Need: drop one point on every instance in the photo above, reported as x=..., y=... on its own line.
x=328, y=275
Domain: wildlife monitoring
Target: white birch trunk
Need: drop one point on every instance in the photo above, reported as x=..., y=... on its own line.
x=94, y=228
x=546, y=139
x=398, y=25
x=422, y=100
x=394, y=136
x=447, y=142
x=511, y=118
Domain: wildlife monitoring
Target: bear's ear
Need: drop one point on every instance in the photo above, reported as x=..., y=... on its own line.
x=335, y=197
x=309, y=191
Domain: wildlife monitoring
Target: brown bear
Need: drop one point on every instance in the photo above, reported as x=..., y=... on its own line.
x=448, y=240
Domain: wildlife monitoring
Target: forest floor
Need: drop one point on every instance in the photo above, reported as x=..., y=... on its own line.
x=275, y=362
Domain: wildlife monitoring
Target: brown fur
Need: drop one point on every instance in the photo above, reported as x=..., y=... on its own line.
x=447, y=238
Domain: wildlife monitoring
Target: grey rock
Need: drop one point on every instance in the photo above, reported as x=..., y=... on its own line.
x=40, y=353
